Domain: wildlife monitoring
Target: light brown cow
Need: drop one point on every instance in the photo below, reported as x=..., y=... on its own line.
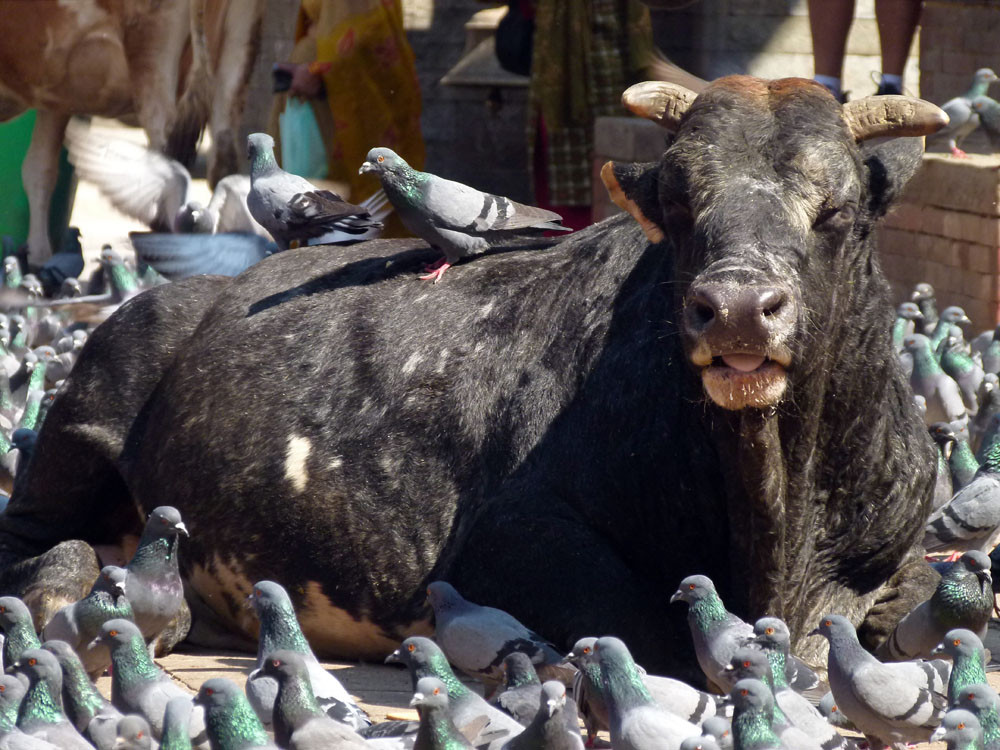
x=172, y=65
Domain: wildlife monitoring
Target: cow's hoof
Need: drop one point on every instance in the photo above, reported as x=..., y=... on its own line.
x=53, y=579
x=912, y=584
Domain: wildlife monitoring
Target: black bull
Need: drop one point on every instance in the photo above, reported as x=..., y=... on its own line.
x=536, y=429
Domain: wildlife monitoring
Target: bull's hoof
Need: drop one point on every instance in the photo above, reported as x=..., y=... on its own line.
x=912, y=584
x=50, y=581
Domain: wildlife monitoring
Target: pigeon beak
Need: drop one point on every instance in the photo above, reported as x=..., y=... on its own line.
x=568, y=658
x=814, y=631
x=393, y=658
x=552, y=707
x=182, y=528
x=366, y=168
x=938, y=734
x=95, y=643
x=120, y=587
x=729, y=668
x=416, y=699
x=12, y=669
x=677, y=595
x=964, y=320
x=938, y=649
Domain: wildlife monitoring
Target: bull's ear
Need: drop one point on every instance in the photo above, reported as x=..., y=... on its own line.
x=634, y=189
x=890, y=163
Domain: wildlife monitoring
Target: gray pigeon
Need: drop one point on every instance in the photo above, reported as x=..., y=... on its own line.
x=908, y=316
x=720, y=729
x=753, y=715
x=989, y=407
x=153, y=585
x=963, y=599
x=137, y=684
x=17, y=628
x=79, y=623
x=12, y=738
x=891, y=704
x=424, y=658
x=971, y=519
x=133, y=733
x=960, y=729
x=290, y=207
x=437, y=727
x=92, y=715
x=942, y=394
x=636, y=722
x=968, y=659
x=983, y=702
x=451, y=217
x=40, y=713
x=476, y=639
x=962, y=118
x=229, y=720
x=521, y=688
x=548, y=730
x=299, y=721
x=176, y=718
x=771, y=634
x=991, y=351
x=177, y=256
x=832, y=713
x=280, y=631
x=988, y=111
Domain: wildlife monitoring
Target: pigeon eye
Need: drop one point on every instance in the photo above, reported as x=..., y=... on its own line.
x=961, y=725
x=586, y=650
x=956, y=642
x=381, y=159
x=768, y=631
x=3, y=609
x=746, y=664
x=139, y=736
x=411, y=648
x=276, y=662
x=32, y=662
x=209, y=691
x=437, y=691
x=112, y=633
x=691, y=587
x=744, y=691
x=2, y=688
x=828, y=623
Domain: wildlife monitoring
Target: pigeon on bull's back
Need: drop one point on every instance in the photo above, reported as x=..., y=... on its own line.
x=451, y=217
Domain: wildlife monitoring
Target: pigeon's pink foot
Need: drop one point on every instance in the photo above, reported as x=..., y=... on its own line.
x=436, y=274
x=436, y=264
x=959, y=153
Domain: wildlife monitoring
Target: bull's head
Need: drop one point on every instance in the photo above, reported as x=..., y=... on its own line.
x=764, y=196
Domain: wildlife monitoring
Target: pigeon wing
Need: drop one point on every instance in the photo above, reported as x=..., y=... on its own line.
x=229, y=205
x=451, y=205
x=973, y=514
x=178, y=256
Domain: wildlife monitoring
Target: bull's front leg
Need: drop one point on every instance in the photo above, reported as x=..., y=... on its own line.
x=39, y=173
x=912, y=584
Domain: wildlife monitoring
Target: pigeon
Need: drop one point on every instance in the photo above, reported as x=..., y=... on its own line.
x=153, y=585
x=588, y=688
x=908, y=316
x=299, y=722
x=890, y=703
x=720, y=729
x=982, y=701
x=137, y=684
x=548, y=729
x=41, y=714
x=148, y=186
x=960, y=461
x=79, y=623
x=229, y=720
x=963, y=599
x=718, y=633
x=92, y=715
x=133, y=733
x=636, y=722
x=424, y=658
x=291, y=208
x=923, y=295
x=971, y=519
x=176, y=718
x=280, y=631
x=437, y=728
x=12, y=738
x=17, y=628
x=178, y=256
x=950, y=318
x=771, y=634
x=944, y=399
x=962, y=118
x=521, y=688
x=968, y=659
x=705, y=742
x=960, y=729
x=962, y=368
x=453, y=218
x=988, y=111
x=832, y=713
x=991, y=352
x=989, y=407
x=753, y=711
x=476, y=639
x=750, y=663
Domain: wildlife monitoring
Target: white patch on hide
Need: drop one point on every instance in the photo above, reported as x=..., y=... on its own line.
x=296, y=470
x=410, y=365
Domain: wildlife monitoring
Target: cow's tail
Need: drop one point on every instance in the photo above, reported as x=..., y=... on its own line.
x=195, y=102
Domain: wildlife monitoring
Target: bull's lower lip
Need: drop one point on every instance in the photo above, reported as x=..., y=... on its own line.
x=739, y=381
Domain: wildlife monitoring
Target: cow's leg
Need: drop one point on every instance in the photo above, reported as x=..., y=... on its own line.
x=912, y=584
x=545, y=565
x=39, y=173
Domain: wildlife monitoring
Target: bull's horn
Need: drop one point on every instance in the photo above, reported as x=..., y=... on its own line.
x=663, y=103
x=876, y=116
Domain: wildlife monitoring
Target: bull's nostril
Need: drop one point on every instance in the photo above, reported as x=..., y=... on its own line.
x=703, y=312
x=771, y=302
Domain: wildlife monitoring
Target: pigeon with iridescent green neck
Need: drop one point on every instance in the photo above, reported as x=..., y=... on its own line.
x=588, y=688
x=550, y=729
x=17, y=628
x=908, y=317
x=153, y=583
x=717, y=634
x=720, y=729
x=968, y=661
x=950, y=316
x=991, y=354
x=230, y=722
x=971, y=519
x=437, y=727
x=453, y=218
x=960, y=460
x=753, y=713
x=176, y=718
x=982, y=701
x=137, y=684
x=79, y=623
x=424, y=658
x=989, y=407
x=636, y=722
x=12, y=272
x=91, y=713
x=960, y=730
x=962, y=368
x=963, y=599
x=41, y=714
x=942, y=394
x=299, y=721
x=280, y=631
x=11, y=738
